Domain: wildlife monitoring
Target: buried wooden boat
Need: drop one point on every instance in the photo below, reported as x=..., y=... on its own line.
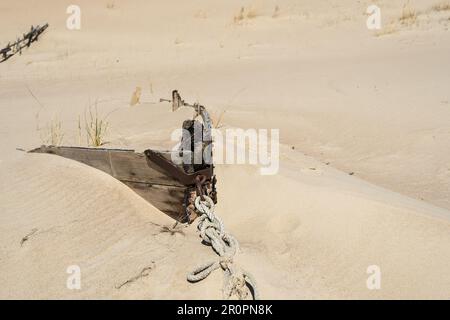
x=169, y=180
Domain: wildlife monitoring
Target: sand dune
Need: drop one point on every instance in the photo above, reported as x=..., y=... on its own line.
x=75, y=215
x=83, y=217
x=346, y=100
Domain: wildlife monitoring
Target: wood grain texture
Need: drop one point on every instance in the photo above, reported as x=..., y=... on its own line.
x=131, y=168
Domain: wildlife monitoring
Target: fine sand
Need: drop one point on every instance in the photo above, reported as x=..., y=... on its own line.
x=364, y=120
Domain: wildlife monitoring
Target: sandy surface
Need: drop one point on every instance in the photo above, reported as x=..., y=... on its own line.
x=346, y=100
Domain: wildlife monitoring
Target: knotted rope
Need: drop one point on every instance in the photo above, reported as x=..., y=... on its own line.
x=237, y=282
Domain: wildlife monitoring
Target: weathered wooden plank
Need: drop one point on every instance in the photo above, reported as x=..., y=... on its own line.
x=98, y=159
x=133, y=166
x=124, y=165
x=134, y=170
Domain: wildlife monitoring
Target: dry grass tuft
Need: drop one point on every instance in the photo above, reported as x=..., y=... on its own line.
x=245, y=14
x=238, y=18
x=79, y=131
x=409, y=15
x=252, y=13
x=53, y=133
x=443, y=6
x=95, y=127
x=276, y=12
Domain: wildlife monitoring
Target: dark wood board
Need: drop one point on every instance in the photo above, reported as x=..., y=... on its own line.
x=133, y=169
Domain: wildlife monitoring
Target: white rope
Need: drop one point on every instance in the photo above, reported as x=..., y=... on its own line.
x=237, y=282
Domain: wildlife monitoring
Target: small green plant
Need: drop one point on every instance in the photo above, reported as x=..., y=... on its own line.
x=95, y=127
x=245, y=14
